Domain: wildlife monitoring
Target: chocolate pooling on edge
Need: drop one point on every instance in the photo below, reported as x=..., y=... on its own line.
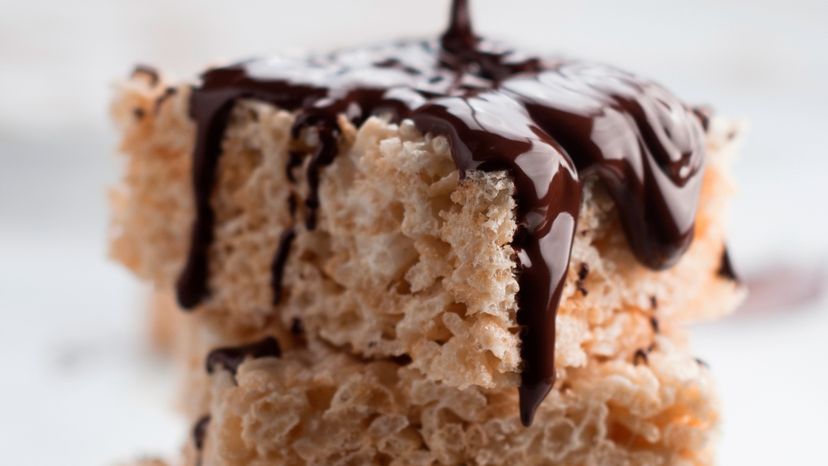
x=230, y=358
x=549, y=122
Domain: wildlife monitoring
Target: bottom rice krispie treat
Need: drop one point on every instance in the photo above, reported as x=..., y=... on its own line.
x=321, y=407
x=269, y=401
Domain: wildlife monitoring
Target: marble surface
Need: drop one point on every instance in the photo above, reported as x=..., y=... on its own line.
x=80, y=386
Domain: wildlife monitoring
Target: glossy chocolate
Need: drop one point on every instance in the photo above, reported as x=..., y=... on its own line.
x=549, y=122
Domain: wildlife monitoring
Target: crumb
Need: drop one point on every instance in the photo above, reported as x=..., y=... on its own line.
x=148, y=72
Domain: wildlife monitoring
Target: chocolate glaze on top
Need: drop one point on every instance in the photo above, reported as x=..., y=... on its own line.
x=549, y=122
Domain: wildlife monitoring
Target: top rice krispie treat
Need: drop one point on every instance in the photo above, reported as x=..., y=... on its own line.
x=398, y=201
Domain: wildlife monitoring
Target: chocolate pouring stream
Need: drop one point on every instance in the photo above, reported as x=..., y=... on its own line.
x=549, y=122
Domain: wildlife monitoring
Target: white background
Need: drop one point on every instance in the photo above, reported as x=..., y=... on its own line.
x=80, y=387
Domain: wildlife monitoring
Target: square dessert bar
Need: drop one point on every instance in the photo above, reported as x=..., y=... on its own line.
x=429, y=252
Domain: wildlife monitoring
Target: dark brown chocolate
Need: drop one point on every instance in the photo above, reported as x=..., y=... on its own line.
x=200, y=431
x=297, y=328
x=279, y=262
x=726, y=269
x=231, y=358
x=640, y=356
x=549, y=122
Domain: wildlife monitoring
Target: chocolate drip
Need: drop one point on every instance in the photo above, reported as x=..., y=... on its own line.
x=726, y=269
x=200, y=431
x=231, y=358
x=199, y=435
x=279, y=262
x=294, y=161
x=550, y=123
x=548, y=196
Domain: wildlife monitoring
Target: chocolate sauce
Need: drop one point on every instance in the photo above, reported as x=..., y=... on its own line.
x=199, y=435
x=200, y=431
x=279, y=262
x=549, y=122
x=726, y=269
x=231, y=358
x=294, y=161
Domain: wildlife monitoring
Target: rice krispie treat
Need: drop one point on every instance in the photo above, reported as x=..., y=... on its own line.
x=320, y=406
x=448, y=214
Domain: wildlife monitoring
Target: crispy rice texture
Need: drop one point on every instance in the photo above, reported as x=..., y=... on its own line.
x=316, y=406
x=406, y=258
